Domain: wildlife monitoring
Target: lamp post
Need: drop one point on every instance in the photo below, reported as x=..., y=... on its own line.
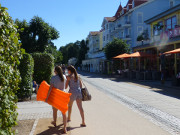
x=142, y=42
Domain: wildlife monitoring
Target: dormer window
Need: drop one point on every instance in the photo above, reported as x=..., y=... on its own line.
x=128, y=7
x=133, y=4
x=171, y=3
x=123, y=11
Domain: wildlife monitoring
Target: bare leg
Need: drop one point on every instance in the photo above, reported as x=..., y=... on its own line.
x=79, y=104
x=36, y=89
x=70, y=110
x=54, y=116
x=64, y=122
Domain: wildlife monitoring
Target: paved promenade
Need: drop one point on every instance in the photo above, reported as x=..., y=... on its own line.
x=117, y=108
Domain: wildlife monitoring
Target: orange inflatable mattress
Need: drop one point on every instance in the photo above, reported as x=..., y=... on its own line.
x=57, y=98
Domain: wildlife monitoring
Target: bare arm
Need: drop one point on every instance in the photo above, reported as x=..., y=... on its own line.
x=50, y=89
x=80, y=82
x=67, y=82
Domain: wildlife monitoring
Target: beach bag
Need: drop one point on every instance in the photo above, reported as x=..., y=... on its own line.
x=86, y=96
x=57, y=98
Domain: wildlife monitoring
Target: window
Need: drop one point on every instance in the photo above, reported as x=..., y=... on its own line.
x=104, y=38
x=171, y=3
x=133, y=4
x=158, y=29
x=107, y=26
x=140, y=30
x=171, y=23
x=107, y=37
x=129, y=31
x=140, y=18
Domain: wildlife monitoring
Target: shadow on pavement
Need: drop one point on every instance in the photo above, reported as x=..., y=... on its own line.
x=155, y=86
x=57, y=130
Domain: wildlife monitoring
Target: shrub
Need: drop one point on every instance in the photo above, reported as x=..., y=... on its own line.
x=140, y=38
x=26, y=68
x=10, y=54
x=43, y=67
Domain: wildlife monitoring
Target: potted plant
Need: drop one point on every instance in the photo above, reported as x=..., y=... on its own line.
x=140, y=38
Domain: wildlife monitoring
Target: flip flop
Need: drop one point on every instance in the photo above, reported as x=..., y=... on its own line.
x=82, y=125
x=53, y=123
x=68, y=120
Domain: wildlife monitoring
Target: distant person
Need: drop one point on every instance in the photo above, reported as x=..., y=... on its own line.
x=75, y=85
x=35, y=86
x=63, y=68
x=58, y=81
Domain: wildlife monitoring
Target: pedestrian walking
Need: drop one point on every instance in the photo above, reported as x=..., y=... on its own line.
x=75, y=85
x=58, y=81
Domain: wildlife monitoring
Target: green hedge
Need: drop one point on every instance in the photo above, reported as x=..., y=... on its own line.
x=43, y=67
x=10, y=54
x=26, y=69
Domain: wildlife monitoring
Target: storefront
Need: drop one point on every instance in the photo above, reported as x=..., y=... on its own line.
x=165, y=36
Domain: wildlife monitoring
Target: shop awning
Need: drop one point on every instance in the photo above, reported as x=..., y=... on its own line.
x=125, y=55
x=173, y=51
x=140, y=54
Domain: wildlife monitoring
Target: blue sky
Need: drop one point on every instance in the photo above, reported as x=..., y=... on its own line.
x=72, y=18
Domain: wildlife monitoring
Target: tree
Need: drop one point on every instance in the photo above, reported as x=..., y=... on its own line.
x=69, y=51
x=58, y=57
x=10, y=54
x=83, y=51
x=116, y=47
x=36, y=35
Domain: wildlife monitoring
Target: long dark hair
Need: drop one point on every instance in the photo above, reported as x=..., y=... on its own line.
x=59, y=71
x=73, y=71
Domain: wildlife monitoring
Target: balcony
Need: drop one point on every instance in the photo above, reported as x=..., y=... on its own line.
x=143, y=42
x=119, y=26
x=155, y=39
x=127, y=24
x=127, y=37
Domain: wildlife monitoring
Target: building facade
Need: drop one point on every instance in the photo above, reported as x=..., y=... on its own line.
x=127, y=24
x=95, y=55
x=164, y=36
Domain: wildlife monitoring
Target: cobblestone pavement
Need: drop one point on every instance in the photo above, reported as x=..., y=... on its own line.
x=151, y=102
x=34, y=110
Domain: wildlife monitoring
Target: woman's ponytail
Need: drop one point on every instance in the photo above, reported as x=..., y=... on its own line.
x=59, y=71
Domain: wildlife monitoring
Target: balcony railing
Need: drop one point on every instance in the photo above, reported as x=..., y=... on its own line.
x=127, y=24
x=143, y=42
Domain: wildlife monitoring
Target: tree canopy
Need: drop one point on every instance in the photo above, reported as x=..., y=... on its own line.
x=116, y=47
x=74, y=50
x=36, y=35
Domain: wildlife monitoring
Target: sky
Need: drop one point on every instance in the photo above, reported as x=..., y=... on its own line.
x=74, y=19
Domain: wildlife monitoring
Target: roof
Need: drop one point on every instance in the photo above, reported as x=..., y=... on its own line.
x=110, y=19
x=163, y=14
x=129, y=3
x=118, y=11
x=94, y=33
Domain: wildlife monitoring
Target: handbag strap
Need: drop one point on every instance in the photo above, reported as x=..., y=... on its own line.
x=83, y=83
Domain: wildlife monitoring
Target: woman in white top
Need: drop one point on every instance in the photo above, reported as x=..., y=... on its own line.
x=58, y=81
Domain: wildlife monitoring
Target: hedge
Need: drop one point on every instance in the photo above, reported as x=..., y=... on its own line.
x=43, y=67
x=10, y=54
x=26, y=69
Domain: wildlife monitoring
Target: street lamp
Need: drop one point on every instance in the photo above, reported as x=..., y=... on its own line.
x=142, y=42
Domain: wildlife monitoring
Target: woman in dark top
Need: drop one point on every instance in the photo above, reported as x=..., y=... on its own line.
x=58, y=81
x=75, y=85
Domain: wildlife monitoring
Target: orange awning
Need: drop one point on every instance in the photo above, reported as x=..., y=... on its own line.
x=140, y=54
x=173, y=51
x=125, y=55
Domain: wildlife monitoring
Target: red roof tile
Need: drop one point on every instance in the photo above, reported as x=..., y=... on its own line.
x=94, y=33
x=110, y=19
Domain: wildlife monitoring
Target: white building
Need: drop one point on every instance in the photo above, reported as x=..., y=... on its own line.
x=95, y=54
